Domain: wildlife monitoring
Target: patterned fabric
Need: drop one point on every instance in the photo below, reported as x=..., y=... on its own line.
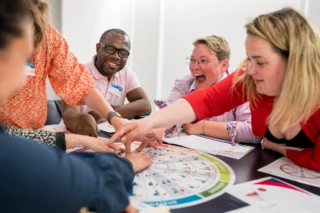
x=100, y=181
x=41, y=136
x=70, y=80
x=232, y=131
x=174, y=130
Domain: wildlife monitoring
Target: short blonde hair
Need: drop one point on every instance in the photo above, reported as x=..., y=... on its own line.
x=40, y=13
x=293, y=37
x=218, y=44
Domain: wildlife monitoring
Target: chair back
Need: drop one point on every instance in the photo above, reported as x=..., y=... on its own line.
x=54, y=114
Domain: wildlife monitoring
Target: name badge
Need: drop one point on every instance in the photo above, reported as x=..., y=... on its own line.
x=116, y=90
x=30, y=69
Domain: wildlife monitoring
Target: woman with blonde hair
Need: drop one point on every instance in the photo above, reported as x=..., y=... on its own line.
x=280, y=79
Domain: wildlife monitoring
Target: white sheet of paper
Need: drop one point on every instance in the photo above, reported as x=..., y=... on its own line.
x=210, y=145
x=145, y=208
x=266, y=192
x=105, y=126
x=285, y=168
x=56, y=128
x=274, y=208
x=140, y=206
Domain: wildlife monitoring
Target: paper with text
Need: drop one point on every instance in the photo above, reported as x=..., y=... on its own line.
x=210, y=145
x=270, y=194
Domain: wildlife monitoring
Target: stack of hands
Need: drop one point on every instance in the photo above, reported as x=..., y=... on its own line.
x=86, y=125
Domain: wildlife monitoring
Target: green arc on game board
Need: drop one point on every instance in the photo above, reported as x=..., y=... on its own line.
x=220, y=177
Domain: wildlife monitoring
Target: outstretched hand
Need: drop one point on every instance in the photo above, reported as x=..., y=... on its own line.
x=281, y=148
x=138, y=130
x=102, y=145
x=150, y=139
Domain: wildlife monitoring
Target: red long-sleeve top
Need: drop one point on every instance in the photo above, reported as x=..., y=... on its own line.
x=220, y=98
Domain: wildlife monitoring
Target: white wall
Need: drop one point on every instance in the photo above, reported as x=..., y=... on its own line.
x=55, y=10
x=162, y=31
x=312, y=9
x=85, y=20
x=186, y=20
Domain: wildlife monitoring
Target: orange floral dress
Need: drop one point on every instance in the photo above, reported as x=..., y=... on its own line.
x=70, y=80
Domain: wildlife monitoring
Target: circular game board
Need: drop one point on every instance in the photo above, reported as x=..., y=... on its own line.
x=181, y=177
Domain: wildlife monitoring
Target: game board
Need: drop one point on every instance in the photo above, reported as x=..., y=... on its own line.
x=181, y=177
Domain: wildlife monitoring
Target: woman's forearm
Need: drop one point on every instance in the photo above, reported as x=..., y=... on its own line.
x=215, y=129
x=75, y=140
x=179, y=112
x=97, y=103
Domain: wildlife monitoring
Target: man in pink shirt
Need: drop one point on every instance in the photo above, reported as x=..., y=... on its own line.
x=114, y=81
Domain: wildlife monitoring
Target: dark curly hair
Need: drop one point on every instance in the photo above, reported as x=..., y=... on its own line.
x=12, y=15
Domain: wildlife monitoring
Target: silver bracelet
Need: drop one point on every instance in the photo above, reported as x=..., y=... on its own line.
x=112, y=114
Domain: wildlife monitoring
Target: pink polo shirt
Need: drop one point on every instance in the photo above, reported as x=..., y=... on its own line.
x=125, y=79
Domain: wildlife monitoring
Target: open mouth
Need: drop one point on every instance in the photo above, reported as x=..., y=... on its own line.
x=200, y=78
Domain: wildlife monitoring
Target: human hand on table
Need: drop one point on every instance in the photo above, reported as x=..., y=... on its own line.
x=193, y=129
x=95, y=144
x=281, y=148
x=96, y=116
x=102, y=145
x=85, y=124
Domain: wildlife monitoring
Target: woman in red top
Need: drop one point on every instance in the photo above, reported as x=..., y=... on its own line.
x=280, y=79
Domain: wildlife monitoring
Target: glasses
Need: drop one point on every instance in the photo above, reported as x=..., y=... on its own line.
x=202, y=61
x=111, y=49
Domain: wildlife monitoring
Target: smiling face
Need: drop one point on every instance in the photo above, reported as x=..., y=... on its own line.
x=109, y=64
x=265, y=66
x=13, y=61
x=210, y=70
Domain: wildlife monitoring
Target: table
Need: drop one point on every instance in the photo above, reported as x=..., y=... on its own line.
x=245, y=169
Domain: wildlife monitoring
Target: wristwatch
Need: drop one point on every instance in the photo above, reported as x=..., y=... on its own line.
x=112, y=114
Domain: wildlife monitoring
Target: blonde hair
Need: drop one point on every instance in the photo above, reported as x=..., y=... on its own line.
x=293, y=38
x=40, y=14
x=218, y=44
